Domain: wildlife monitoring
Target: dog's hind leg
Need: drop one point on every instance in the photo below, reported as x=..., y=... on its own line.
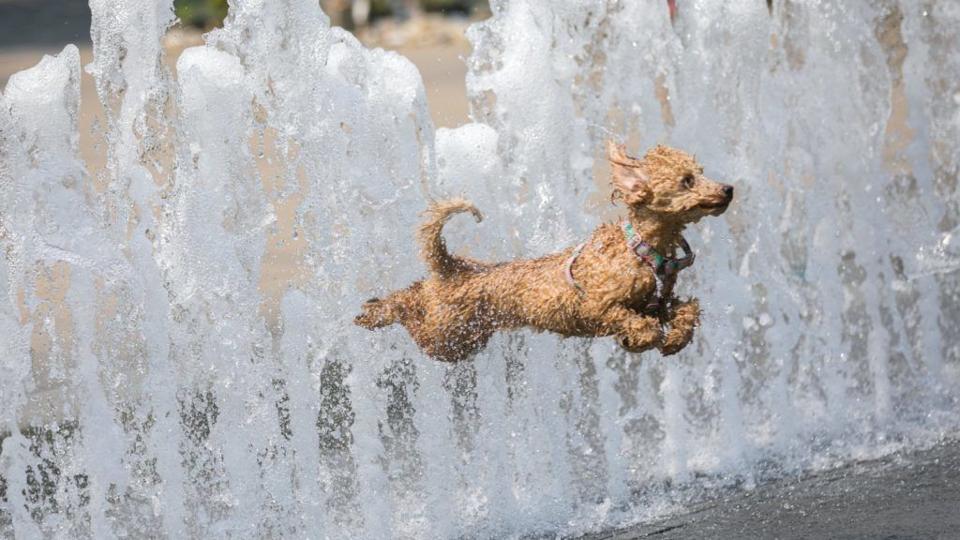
x=377, y=313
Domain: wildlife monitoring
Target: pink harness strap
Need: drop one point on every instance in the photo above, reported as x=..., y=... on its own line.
x=568, y=268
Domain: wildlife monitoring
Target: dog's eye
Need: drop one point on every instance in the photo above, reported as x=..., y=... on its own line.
x=688, y=181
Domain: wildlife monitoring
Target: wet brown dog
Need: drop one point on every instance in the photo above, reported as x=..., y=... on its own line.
x=615, y=284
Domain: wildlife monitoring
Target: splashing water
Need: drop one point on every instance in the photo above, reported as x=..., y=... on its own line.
x=159, y=379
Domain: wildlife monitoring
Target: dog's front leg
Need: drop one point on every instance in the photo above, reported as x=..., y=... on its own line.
x=634, y=332
x=685, y=316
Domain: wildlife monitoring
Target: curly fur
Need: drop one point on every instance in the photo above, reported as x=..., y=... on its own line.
x=453, y=313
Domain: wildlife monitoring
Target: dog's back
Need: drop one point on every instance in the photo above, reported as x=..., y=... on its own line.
x=455, y=310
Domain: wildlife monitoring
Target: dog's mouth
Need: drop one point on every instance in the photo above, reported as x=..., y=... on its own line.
x=721, y=205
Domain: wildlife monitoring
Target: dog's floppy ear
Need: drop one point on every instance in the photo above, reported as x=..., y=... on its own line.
x=628, y=177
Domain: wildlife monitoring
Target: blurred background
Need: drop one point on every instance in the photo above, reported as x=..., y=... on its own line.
x=428, y=32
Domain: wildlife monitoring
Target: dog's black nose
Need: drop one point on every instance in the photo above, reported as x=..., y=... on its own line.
x=728, y=191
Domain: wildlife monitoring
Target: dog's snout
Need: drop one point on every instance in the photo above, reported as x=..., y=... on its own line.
x=728, y=191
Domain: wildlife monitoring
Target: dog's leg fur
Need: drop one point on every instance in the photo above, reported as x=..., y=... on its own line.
x=377, y=313
x=634, y=332
x=685, y=318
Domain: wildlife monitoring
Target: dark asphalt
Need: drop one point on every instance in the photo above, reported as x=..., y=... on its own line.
x=44, y=23
x=913, y=495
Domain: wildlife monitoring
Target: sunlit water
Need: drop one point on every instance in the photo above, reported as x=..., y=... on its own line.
x=159, y=380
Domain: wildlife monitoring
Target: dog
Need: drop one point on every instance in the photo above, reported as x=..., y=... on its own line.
x=619, y=283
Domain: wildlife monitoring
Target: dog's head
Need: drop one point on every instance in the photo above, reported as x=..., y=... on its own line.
x=667, y=182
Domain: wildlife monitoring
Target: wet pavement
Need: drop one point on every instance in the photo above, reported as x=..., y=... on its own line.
x=44, y=24
x=914, y=495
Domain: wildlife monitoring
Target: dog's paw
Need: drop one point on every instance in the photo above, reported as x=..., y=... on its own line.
x=633, y=346
x=682, y=324
x=642, y=337
x=675, y=340
x=375, y=314
x=629, y=346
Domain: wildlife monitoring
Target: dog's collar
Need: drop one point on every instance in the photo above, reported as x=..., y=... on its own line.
x=662, y=266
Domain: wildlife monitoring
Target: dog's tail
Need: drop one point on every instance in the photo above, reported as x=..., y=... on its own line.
x=432, y=246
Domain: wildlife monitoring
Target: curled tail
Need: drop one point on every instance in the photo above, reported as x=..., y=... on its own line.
x=432, y=246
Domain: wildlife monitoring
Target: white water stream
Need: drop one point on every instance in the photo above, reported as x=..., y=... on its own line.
x=153, y=382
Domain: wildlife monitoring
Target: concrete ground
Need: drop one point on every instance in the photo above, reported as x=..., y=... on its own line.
x=914, y=495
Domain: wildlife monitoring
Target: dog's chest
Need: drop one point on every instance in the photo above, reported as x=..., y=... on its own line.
x=651, y=291
x=641, y=285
